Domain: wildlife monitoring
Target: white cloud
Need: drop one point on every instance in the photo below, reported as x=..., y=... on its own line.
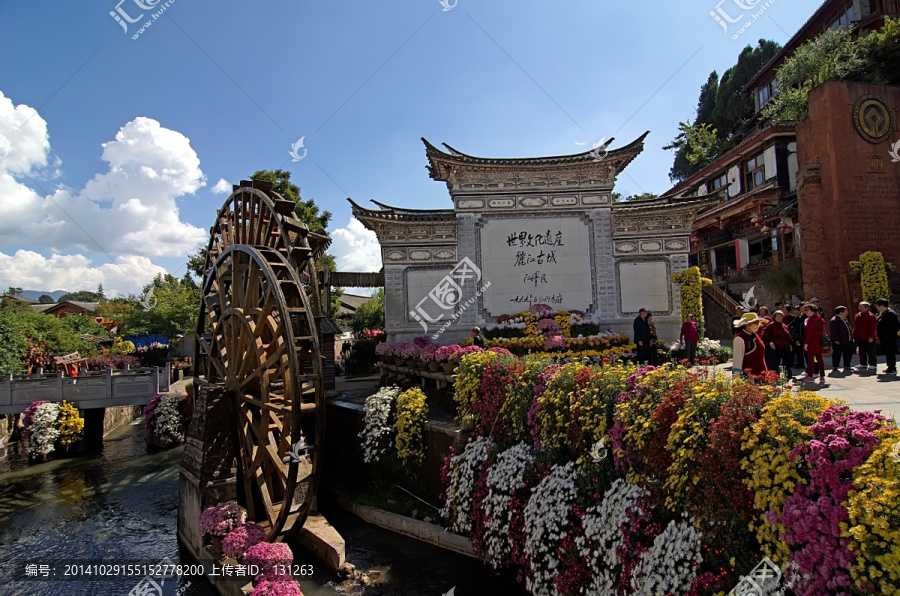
x=24, y=148
x=222, y=187
x=30, y=270
x=356, y=248
x=131, y=208
x=128, y=211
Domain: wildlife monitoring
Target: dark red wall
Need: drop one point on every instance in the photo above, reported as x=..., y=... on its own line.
x=845, y=210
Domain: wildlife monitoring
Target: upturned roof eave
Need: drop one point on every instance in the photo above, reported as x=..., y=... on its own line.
x=455, y=156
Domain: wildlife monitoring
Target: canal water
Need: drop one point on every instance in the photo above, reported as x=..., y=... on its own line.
x=122, y=505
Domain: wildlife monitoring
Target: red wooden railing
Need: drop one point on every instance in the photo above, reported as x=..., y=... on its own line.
x=724, y=300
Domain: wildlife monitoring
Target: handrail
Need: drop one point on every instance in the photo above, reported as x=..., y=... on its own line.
x=95, y=390
x=724, y=300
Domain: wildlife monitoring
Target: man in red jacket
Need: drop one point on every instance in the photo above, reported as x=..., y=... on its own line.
x=864, y=333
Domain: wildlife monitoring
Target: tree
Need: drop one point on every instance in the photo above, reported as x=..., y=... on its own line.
x=881, y=53
x=370, y=315
x=696, y=142
x=14, y=291
x=172, y=310
x=196, y=263
x=117, y=309
x=836, y=54
x=46, y=299
x=646, y=196
x=307, y=211
x=13, y=345
x=23, y=329
x=723, y=108
x=82, y=296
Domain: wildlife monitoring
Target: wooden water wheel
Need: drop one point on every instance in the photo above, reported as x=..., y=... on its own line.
x=259, y=338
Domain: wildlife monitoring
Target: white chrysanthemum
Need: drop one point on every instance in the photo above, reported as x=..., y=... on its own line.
x=463, y=469
x=546, y=521
x=603, y=531
x=43, y=431
x=670, y=565
x=505, y=476
x=167, y=420
x=377, y=429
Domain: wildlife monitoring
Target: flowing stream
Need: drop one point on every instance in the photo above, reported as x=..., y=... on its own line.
x=122, y=505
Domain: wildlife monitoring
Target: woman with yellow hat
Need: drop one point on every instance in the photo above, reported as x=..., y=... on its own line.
x=749, y=349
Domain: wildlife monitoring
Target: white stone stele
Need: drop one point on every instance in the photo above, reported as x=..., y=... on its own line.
x=419, y=283
x=644, y=285
x=569, y=277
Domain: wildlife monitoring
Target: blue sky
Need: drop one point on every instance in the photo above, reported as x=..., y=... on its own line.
x=214, y=91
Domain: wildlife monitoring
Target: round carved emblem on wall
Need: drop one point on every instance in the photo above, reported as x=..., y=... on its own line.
x=873, y=119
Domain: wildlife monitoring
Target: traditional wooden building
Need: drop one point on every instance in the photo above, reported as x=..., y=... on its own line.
x=524, y=231
x=764, y=205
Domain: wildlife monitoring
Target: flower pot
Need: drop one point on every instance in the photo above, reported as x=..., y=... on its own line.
x=410, y=364
x=449, y=367
x=387, y=360
x=217, y=544
x=723, y=358
x=434, y=366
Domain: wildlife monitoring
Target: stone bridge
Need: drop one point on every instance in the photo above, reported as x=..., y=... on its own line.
x=88, y=391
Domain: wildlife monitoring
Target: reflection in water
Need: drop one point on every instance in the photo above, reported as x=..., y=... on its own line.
x=123, y=505
x=116, y=506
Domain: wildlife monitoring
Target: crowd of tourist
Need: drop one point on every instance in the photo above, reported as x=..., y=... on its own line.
x=794, y=337
x=764, y=342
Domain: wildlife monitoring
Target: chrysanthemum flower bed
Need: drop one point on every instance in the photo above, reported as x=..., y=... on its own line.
x=614, y=480
x=245, y=542
x=45, y=424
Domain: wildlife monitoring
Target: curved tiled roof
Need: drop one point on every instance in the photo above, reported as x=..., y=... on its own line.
x=386, y=212
x=454, y=155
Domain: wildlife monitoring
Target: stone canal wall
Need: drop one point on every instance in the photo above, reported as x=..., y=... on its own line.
x=344, y=467
x=119, y=416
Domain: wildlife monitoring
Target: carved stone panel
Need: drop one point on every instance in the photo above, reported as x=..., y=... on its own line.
x=536, y=260
x=470, y=204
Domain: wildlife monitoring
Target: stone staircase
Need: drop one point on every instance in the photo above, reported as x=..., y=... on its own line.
x=718, y=311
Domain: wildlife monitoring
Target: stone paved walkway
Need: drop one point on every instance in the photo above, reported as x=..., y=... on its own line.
x=869, y=390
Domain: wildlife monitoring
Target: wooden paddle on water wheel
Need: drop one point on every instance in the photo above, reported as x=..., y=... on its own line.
x=259, y=338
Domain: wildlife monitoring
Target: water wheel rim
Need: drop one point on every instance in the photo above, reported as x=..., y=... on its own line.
x=257, y=217
x=249, y=294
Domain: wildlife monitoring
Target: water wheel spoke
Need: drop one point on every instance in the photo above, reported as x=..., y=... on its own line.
x=265, y=347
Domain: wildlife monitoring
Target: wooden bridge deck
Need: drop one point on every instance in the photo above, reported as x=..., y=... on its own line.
x=103, y=389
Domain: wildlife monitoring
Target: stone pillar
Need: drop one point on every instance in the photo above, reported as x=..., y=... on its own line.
x=817, y=259
x=93, y=429
x=208, y=470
